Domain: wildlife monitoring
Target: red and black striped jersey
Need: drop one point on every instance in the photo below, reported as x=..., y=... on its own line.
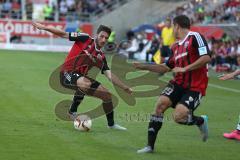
x=84, y=55
x=186, y=52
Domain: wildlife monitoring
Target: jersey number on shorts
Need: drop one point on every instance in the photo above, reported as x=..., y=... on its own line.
x=168, y=90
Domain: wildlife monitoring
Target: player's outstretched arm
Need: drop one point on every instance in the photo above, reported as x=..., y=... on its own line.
x=159, y=68
x=230, y=75
x=116, y=81
x=53, y=30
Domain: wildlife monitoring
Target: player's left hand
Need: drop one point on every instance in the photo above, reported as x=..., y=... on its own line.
x=226, y=76
x=179, y=70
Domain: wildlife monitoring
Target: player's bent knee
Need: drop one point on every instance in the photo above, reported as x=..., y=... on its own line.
x=180, y=118
x=107, y=96
x=162, y=105
x=180, y=114
x=160, y=109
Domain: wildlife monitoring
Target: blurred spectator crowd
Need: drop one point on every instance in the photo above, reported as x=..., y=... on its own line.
x=198, y=12
x=10, y=9
x=65, y=9
x=225, y=53
x=83, y=7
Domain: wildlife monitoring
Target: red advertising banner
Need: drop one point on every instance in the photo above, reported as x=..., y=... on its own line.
x=209, y=31
x=25, y=28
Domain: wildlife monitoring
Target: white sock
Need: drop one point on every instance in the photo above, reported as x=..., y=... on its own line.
x=238, y=126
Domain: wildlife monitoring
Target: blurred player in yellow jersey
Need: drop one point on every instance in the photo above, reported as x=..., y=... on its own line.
x=167, y=39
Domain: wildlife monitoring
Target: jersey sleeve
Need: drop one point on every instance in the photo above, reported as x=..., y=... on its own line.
x=105, y=66
x=200, y=43
x=170, y=61
x=78, y=36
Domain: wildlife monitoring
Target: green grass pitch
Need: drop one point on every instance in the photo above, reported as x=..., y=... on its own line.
x=29, y=129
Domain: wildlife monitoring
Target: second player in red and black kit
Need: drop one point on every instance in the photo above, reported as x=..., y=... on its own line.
x=188, y=61
x=85, y=54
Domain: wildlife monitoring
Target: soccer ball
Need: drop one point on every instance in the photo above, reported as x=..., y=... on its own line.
x=82, y=123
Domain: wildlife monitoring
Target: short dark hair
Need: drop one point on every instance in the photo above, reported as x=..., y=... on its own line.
x=105, y=29
x=183, y=21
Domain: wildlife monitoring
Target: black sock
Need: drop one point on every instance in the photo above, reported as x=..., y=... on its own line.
x=77, y=99
x=108, y=109
x=198, y=120
x=154, y=126
x=195, y=121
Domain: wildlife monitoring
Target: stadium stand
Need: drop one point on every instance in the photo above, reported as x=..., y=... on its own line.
x=58, y=10
x=10, y=9
x=223, y=13
x=86, y=9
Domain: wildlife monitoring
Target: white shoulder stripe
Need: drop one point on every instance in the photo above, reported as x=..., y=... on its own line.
x=199, y=39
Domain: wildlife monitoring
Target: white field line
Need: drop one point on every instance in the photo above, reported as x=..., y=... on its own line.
x=224, y=88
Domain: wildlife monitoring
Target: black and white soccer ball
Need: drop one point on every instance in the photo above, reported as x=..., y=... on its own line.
x=82, y=123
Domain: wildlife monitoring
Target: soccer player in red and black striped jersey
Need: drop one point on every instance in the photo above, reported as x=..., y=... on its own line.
x=85, y=54
x=189, y=58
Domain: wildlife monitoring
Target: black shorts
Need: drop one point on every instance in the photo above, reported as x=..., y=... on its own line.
x=179, y=95
x=165, y=51
x=69, y=80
